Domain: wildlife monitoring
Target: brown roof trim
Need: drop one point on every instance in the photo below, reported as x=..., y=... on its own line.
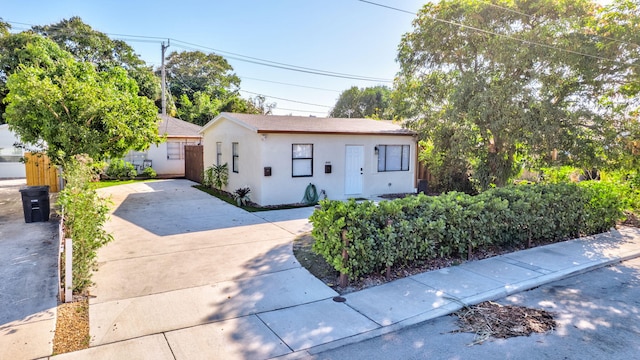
x=183, y=136
x=335, y=133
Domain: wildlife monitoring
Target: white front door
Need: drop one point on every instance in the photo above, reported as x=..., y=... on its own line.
x=354, y=169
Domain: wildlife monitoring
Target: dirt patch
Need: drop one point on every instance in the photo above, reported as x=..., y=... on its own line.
x=492, y=320
x=313, y=262
x=72, y=327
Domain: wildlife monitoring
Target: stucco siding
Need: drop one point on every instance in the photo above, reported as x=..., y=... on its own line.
x=260, y=150
x=161, y=164
x=159, y=156
x=249, y=157
x=281, y=187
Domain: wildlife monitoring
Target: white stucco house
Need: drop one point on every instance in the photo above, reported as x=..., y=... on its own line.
x=10, y=165
x=277, y=157
x=167, y=158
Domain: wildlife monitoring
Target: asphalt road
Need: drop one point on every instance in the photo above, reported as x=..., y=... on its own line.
x=598, y=317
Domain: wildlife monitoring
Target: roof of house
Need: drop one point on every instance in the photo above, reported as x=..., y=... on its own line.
x=304, y=125
x=173, y=127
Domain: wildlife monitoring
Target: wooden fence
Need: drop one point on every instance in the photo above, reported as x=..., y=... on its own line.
x=193, y=162
x=40, y=171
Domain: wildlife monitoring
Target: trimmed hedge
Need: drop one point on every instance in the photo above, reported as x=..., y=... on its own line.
x=415, y=228
x=85, y=214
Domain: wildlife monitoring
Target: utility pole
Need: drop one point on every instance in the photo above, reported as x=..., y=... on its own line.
x=349, y=112
x=164, y=78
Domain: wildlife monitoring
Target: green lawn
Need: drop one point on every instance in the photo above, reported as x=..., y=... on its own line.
x=106, y=183
x=227, y=198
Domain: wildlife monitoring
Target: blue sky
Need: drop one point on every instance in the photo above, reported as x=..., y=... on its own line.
x=342, y=36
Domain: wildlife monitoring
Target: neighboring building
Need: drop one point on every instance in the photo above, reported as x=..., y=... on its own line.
x=10, y=156
x=167, y=158
x=277, y=157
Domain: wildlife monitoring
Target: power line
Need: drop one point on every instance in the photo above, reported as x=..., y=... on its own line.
x=289, y=66
x=531, y=17
x=279, y=98
x=19, y=23
x=296, y=68
x=283, y=83
x=389, y=7
x=248, y=59
x=496, y=34
x=308, y=111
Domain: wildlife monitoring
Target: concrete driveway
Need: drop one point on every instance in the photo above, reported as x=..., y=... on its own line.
x=28, y=279
x=182, y=258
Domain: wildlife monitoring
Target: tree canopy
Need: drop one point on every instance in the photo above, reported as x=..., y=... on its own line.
x=87, y=44
x=203, y=85
x=492, y=85
x=370, y=102
x=70, y=108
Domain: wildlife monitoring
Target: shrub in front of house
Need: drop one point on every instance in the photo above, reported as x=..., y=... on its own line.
x=85, y=214
x=241, y=196
x=149, y=172
x=417, y=228
x=216, y=176
x=120, y=169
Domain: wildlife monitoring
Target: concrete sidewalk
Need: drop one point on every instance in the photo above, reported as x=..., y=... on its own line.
x=171, y=287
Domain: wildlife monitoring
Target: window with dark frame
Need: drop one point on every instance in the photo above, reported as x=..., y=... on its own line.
x=234, y=150
x=393, y=158
x=218, y=153
x=302, y=160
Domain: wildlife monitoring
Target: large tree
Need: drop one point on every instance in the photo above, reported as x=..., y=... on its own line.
x=370, y=102
x=69, y=108
x=26, y=49
x=203, y=85
x=189, y=72
x=87, y=44
x=489, y=85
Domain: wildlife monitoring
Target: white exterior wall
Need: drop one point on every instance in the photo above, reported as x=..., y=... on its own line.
x=12, y=169
x=158, y=156
x=282, y=188
x=159, y=162
x=249, y=156
x=257, y=151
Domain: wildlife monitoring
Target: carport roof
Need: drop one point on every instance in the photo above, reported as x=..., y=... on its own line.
x=304, y=125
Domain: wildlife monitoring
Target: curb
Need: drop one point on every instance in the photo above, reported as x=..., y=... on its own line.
x=457, y=305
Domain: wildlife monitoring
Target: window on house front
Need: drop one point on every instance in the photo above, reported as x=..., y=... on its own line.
x=234, y=150
x=175, y=151
x=302, y=160
x=218, y=153
x=393, y=158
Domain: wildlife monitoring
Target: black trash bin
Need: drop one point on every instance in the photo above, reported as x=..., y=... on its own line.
x=35, y=203
x=423, y=186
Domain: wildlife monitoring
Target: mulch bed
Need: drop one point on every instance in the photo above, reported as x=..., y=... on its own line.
x=631, y=220
x=493, y=320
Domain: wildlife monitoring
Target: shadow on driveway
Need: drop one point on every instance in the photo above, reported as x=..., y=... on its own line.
x=164, y=209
